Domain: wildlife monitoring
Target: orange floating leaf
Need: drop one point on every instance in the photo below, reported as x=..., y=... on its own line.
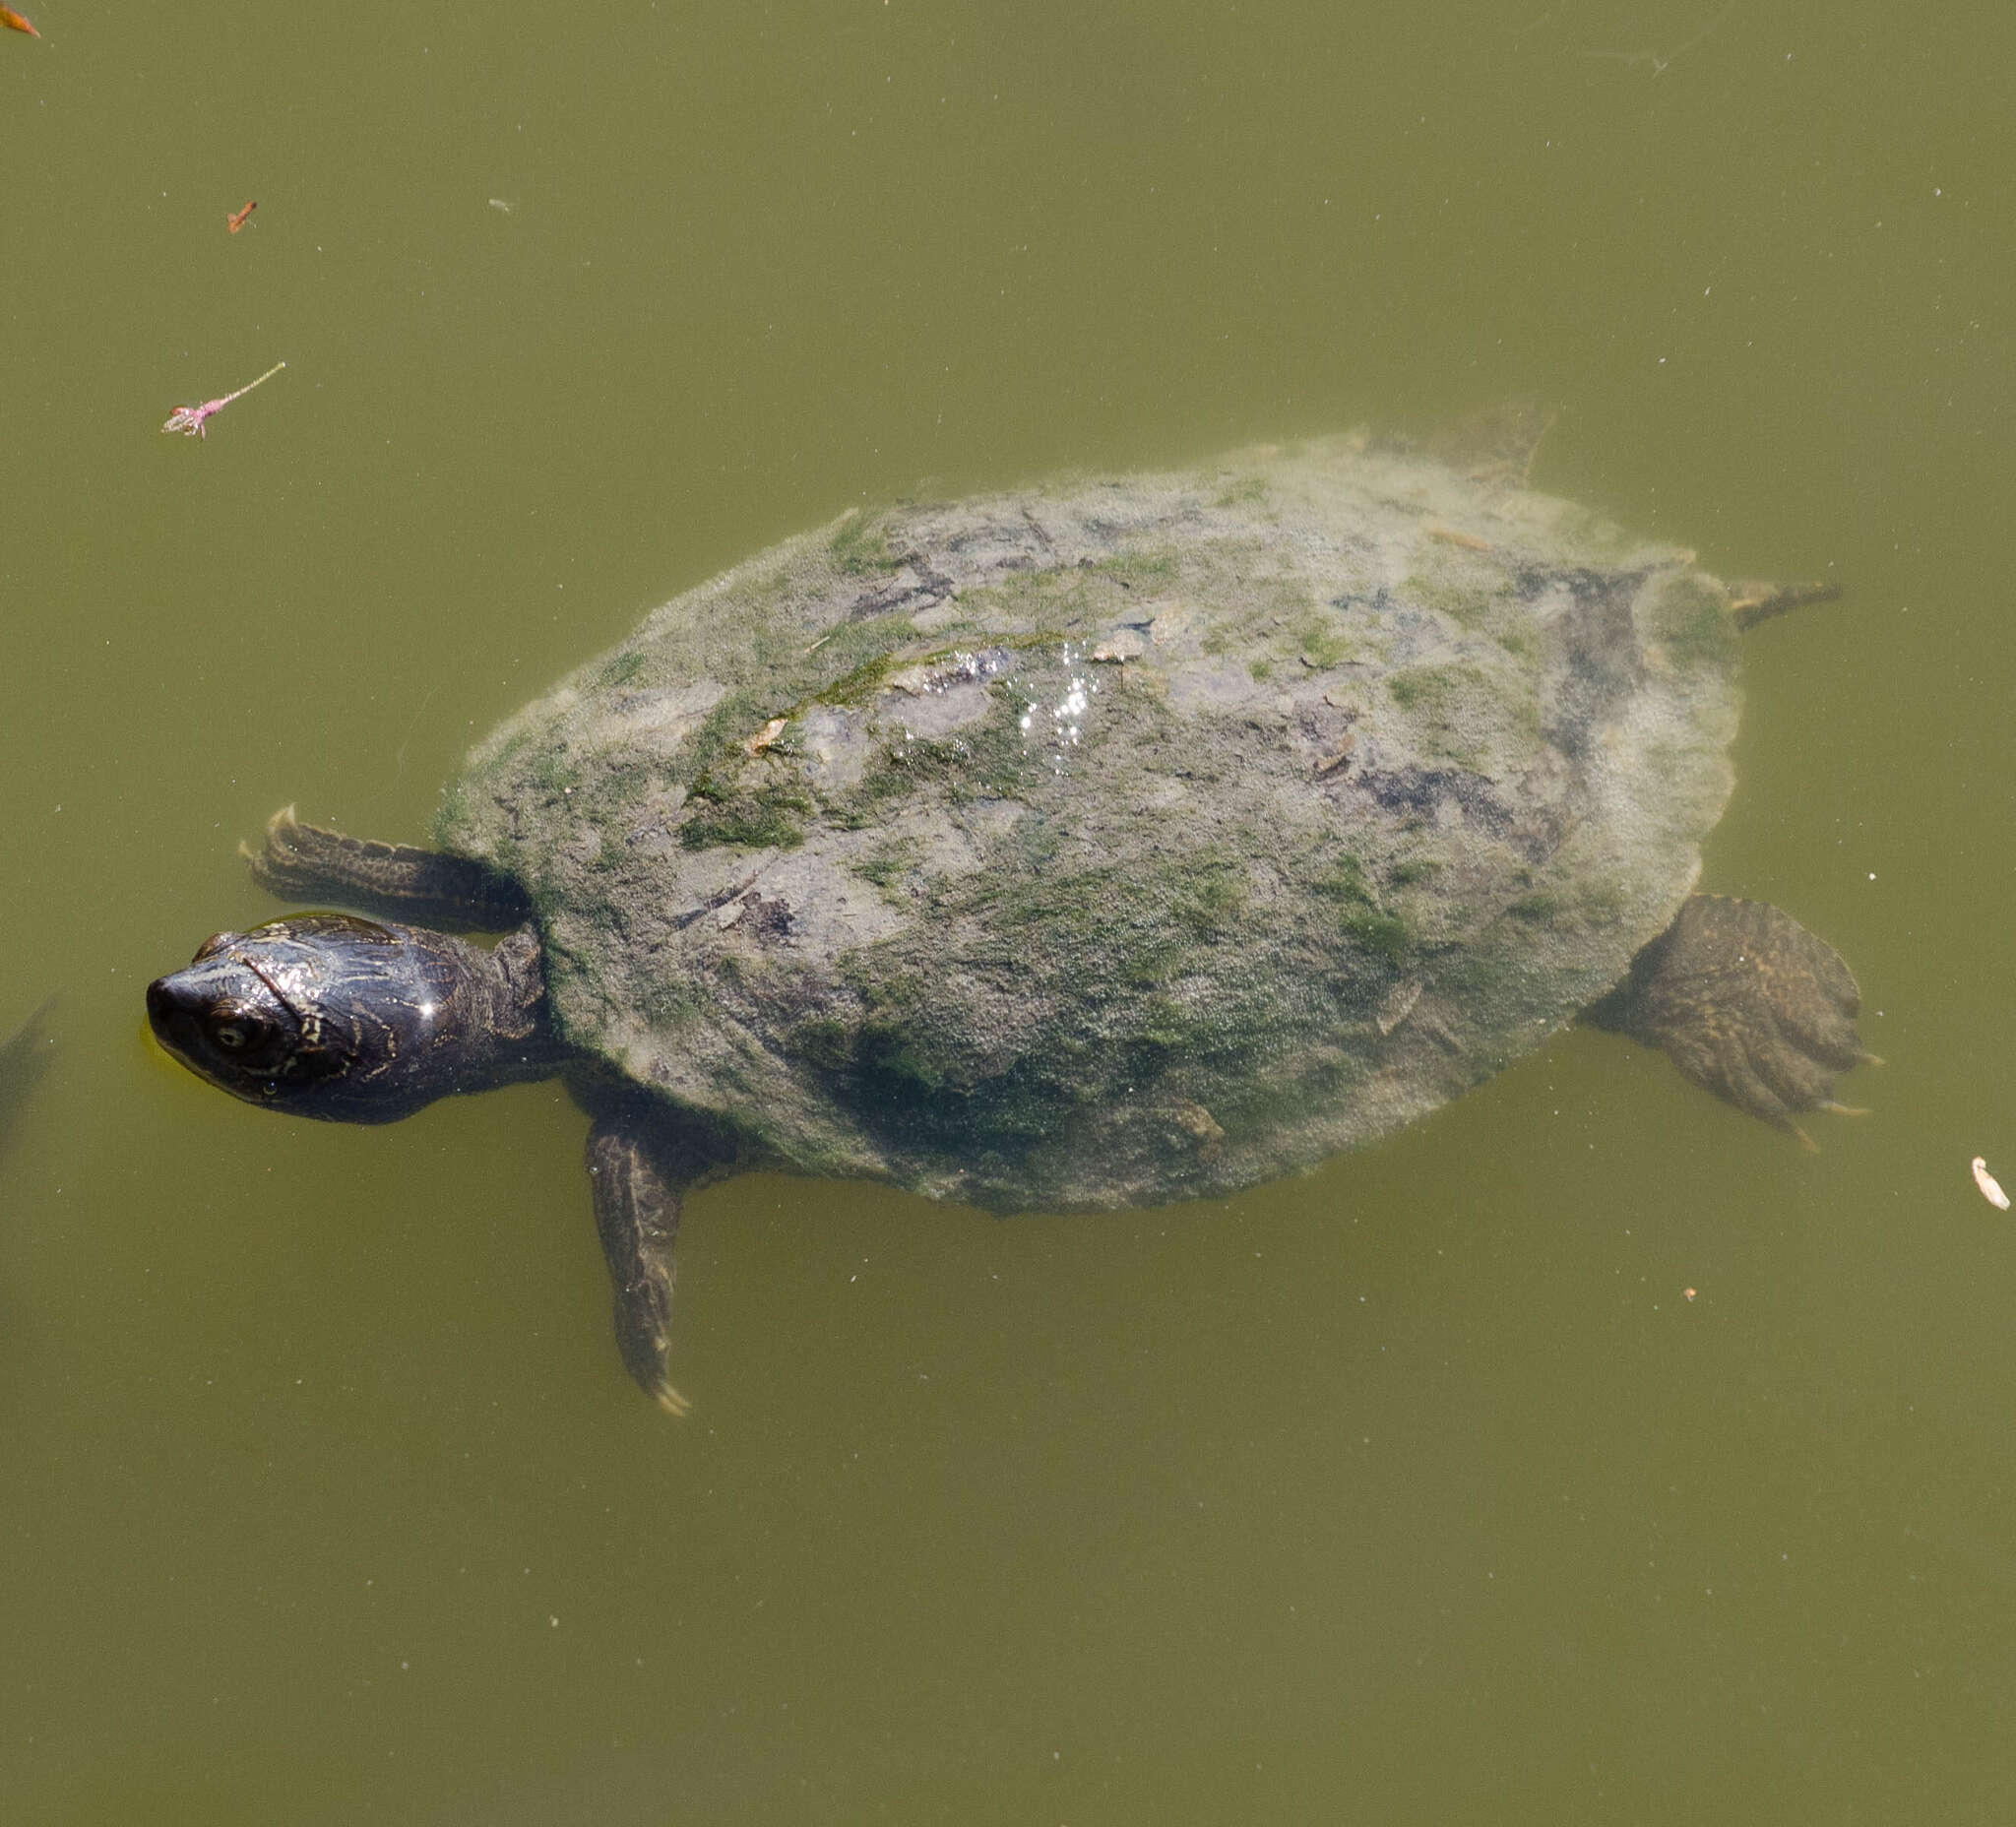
x=14, y=22
x=237, y=221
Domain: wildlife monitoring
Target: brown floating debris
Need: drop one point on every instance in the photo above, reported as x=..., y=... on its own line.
x=1200, y=1126
x=238, y=219
x=766, y=736
x=14, y=22
x=1330, y=763
x=1449, y=536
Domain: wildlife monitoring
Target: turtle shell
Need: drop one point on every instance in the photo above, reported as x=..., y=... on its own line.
x=1116, y=841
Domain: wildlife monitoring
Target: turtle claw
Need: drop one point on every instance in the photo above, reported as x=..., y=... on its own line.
x=274, y=843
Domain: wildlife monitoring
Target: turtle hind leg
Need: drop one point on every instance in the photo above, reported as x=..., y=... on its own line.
x=305, y=863
x=1749, y=1003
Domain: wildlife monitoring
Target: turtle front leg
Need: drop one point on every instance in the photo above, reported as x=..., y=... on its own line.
x=401, y=881
x=643, y=1166
x=1749, y=1004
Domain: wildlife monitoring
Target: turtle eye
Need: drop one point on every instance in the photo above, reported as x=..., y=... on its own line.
x=239, y=1030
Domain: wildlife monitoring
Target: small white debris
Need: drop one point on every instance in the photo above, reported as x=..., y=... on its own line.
x=1990, y=1189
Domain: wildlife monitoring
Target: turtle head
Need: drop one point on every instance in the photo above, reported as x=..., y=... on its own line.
x=328, y=1015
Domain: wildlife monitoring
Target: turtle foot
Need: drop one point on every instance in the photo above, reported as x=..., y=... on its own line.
x=637, y=1214
x=642, y=1162
x=1749, y=1004
x=307, y=862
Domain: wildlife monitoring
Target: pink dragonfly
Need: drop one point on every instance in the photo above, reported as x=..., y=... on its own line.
x=188, y=419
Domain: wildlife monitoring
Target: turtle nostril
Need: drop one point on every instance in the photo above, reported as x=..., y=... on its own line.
x=167, y=1005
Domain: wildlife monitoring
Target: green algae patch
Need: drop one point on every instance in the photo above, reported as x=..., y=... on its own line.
x=1249, y=491
x=887, y=866
x=1324, y=644
x=1691, y=618
x=1365, y=923
x=870, y=652
x=860, y=546
x=620, y=668
x=771, y=815
x=1471, y=595
x=1466, y=714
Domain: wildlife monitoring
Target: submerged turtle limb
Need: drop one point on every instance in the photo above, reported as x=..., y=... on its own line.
x=1749, y=1004
x=306, y=862
x=642, y=1168
x=24, y=1055
x=1754, y=600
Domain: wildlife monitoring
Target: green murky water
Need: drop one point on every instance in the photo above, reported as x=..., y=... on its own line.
x=1416, y=1491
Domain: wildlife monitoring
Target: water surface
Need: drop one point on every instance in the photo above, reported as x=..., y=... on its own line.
x=1417, y=1491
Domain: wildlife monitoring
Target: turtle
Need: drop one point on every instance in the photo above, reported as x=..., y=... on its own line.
x=1100, y=843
